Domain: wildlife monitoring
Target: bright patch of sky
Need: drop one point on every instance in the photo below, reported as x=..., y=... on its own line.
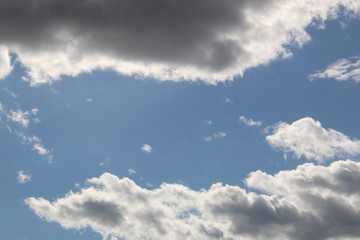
x=199, y=125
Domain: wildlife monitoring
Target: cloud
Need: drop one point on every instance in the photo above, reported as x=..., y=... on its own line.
x=164, y=39
x=307, y=138
x=249, y=121
x=131, y=171
x=228, y=100
x=310, y=202
x=36, y=144
x=23, y=177
x=23, y=118
x=209, y=122
x=344, y=69
x=40, y=149
x=35, y=111
x=5, y=62
x=11, y=93
x=215, y=136
x=20, y=117
x=147, y=148
x=107, y=161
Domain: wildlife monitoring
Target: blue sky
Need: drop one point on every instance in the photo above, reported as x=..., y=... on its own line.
x=205, y=123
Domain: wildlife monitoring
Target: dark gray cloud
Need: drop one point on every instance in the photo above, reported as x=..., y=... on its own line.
x=308, y=203
x=166, y=39
x=157, y=30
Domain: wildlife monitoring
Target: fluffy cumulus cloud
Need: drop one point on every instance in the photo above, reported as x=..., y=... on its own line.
x=308, y=203
x=164, y=39
x=307, y=138
x=342, y=70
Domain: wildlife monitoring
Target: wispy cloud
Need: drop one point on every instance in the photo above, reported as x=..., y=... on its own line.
x=23, y=118
x=249, y=121
x=131, y=171
x=40, y=149
x=23, y=177
x=228, y=100
x=214, y=136
x=103, y=163
x=11, y=93
x=345, y=69
x=19, y=116
x=209, y=122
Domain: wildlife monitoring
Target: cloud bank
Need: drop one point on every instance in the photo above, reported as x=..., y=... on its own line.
x=164, y=39
x=342, y=70
x=308, y=203
x=307, y=138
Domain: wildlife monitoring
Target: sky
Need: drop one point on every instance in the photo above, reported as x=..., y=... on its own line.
x=166, y=119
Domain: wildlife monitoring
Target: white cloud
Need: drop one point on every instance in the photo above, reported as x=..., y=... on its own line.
x=311, y=202
x=40, y=149
x=220, y=41
x=107, y=161
x=35, y=111
x=36, y=120
x=208, y=138
x=228, y=100
x=131, y=171
x=20, y=117
x=219, y=135
x=249, y=121
x=215, y=136
x=23, y=118
x=342, y=70
x=5, y=62
x=209, y=122
x=36, y=144
x=11, y=93
x=23, y=177
x=147, y=148
x=89, y=100
x=307, y=138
